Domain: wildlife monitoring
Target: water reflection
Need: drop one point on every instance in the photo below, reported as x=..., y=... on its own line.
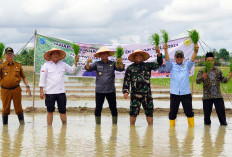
x=18, y=139
x=7, y=142
x=186, y=149
x=108, y=149
x=61, y=145
x=216, y=148
x=50, y=145
x=144, y=147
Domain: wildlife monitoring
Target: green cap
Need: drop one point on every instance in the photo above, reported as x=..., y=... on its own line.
x=179, y=52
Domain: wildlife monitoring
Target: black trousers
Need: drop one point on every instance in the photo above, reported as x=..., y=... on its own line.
x=111, y=98
x=186, y=101
x=220, y=109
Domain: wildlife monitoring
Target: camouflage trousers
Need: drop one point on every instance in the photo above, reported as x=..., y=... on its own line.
x=145, y=100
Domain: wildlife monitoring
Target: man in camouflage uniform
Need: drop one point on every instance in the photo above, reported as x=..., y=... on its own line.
x=211, y=91
x=138, y=77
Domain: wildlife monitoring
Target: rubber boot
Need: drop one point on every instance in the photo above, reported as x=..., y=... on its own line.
x=172, y=122
x=191, y=121
x=5, y=120
x=114, y=119
x=98, y=119
x=21, y=118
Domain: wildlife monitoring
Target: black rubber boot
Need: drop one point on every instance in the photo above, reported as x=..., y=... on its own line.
x=98, y=119
x=21, y=118
x=5, y=120
x=114, y=119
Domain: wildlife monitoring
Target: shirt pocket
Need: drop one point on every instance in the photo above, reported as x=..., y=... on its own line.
x=62, y=72
x=17, y=72
x=51, y=71
x=99, y=68
x=5, y=72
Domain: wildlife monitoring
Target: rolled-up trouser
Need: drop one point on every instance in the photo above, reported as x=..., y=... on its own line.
x=186, y=101
x=7, y=95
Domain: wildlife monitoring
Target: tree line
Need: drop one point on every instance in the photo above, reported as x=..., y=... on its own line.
x=222, y=57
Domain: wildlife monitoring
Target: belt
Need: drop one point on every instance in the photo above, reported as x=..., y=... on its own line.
x=11, y=88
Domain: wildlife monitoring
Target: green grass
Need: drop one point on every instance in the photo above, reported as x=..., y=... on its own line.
x=165, y=82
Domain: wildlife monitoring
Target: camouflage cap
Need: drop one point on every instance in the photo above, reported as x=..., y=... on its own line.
x=9, y=49
x=179, y=52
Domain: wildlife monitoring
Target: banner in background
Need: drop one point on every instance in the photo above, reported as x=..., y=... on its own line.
x=45, y=43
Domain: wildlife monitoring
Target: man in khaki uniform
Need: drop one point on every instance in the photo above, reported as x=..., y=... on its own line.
x=11, y=73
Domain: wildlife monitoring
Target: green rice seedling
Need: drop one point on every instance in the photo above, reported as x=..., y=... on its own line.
x=119, y=52
x=155, y=39
x=76, y=49
x=208, y=66
x=165, y=36
x=2, y=46
x=194, y=35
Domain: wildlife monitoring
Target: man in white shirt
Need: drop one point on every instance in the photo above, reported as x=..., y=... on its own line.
x=52, y=78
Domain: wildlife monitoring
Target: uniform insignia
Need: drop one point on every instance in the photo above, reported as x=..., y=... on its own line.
x=42, y=70
x=100, y=73
x=111, y=65
x=182, y=66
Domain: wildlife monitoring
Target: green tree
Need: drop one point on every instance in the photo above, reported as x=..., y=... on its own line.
x=26, y=57
x=224, y=54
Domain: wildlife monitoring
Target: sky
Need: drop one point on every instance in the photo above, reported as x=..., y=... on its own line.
x=116, y=21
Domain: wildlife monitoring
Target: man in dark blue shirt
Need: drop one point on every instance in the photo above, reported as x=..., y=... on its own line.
x=105, y=82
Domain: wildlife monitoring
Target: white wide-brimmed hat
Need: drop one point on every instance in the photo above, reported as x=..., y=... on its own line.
x=102, y=50
x=47, y=55
x=131, y=57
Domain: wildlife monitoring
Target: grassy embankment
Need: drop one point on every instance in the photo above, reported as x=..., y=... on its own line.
x=165, y=82
x=227, y=88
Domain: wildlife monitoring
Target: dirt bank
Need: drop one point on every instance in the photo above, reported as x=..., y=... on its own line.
x=157, y=111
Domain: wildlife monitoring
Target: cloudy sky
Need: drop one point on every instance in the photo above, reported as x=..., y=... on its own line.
x=116, y=21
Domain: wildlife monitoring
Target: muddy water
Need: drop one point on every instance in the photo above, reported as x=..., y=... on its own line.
x=81, y=137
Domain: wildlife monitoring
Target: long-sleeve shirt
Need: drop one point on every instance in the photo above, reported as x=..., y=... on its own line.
x=105, y=79
x=179, y=77
x=52, y=76
x=10, y=75
x=211, y=85
x=138, y=77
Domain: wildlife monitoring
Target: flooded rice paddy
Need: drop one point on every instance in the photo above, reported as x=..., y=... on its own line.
x=81, y=137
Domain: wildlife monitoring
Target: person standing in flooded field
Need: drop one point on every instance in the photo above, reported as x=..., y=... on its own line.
x=11, y=73
x=105, y=81
x=52, y=78
x=180, y=87
x=137, y=77
x=211, y=90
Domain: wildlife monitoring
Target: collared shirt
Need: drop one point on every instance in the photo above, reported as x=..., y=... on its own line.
x=105, y=79
x=11, y=74
x=138, y=76
x=52, y=76
x=179, y=77
x=211, y=85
